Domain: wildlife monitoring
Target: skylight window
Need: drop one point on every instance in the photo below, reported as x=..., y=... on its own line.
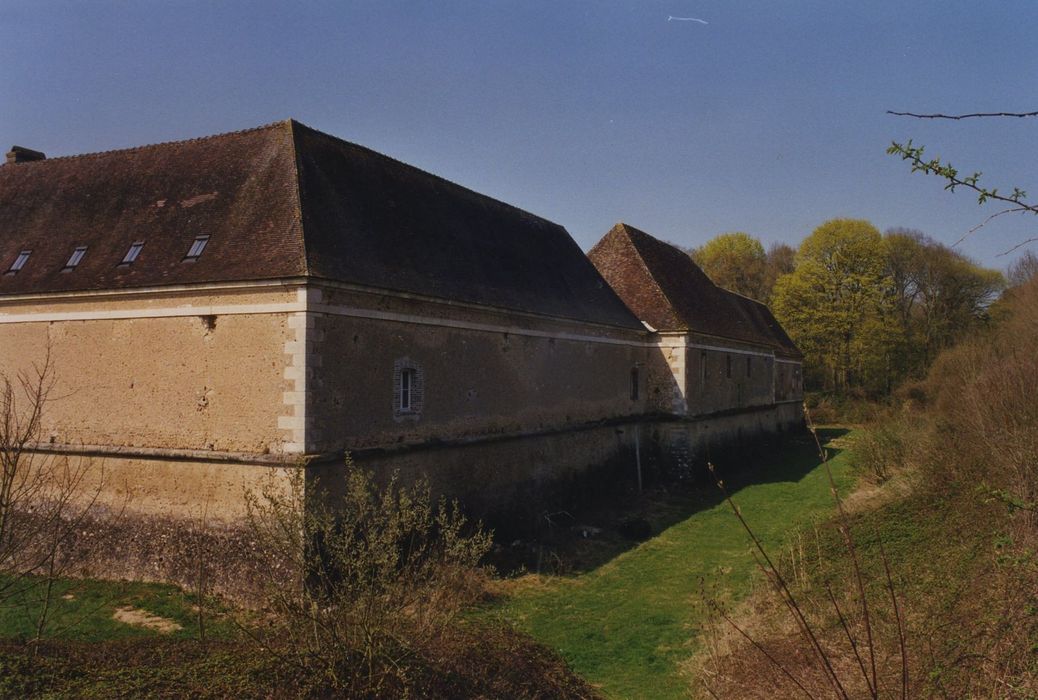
x=133, y=252
x=76, y=256
x=19, y=262
x=196, y=248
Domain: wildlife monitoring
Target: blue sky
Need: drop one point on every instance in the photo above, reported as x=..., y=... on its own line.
x=768, y=119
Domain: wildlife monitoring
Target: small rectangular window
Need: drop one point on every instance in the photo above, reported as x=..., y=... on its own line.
x=19, y=262
x=634, y=384
x=196, y=248
x=749, y=366
x=133, y=252
x=74, y=259
x=406, y=387
x=728, y=366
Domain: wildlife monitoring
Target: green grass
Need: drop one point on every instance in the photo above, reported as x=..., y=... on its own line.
x=83, y=609
x=629, y=624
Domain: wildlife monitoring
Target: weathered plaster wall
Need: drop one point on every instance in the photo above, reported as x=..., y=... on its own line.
x=482, y=373
x=162, y=487
x=697, y=375
x=181, y=371
x=724, y=375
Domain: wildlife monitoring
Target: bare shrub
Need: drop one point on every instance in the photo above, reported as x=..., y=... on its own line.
x=380, y=573
x=838, y=409
x=44, y=501
x=891, y=442
x=985, y=400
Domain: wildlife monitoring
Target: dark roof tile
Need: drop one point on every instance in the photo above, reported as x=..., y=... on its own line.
x=239, y=188
x=668, y=291
x=282, y=201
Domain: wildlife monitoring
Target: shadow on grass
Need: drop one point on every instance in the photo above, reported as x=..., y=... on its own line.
x=591, y=534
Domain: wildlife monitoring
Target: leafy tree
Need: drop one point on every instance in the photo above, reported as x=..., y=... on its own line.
x=939, y=293
x=838, y=306
x=781, y=261
x=735, y=261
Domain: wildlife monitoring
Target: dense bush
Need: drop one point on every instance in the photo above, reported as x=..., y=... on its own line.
x=384, y=571
x=892, y=441
x=984, y=398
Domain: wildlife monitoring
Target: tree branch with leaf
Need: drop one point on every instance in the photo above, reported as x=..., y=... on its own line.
x=915, y=155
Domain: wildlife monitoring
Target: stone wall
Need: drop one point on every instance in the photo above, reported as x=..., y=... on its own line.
x=709, y=375
x=176, y=371
x=724, y=375
x=686, y=445
x=476, y=372
x=513, y=479
x=181, y=401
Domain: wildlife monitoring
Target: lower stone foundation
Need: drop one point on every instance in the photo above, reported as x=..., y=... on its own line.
x=162, y=519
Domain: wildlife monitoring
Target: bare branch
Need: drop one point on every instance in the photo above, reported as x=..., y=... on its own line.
x=900, y=622
x=963, y=116
x=851, y=640
x=982, y=224
x=1018, y=246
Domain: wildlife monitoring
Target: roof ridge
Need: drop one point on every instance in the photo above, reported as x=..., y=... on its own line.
x=426, y=173
x=298, y=192
x=739, y=294
x=147, y=146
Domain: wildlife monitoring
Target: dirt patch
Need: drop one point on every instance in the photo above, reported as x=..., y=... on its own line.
x=143, y=618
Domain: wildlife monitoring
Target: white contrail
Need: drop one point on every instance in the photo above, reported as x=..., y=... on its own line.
x=686, y=19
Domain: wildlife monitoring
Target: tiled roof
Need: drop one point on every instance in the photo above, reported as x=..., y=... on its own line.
x=239, y=188
x=282, y=201
x=668, y=291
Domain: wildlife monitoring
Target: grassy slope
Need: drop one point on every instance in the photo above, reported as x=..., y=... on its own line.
x=627, y=625
x=82, y=610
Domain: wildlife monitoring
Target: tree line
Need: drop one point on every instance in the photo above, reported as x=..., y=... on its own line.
x=868, y=309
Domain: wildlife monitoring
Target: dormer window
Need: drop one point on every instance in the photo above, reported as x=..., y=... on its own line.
x=19, y=262
x=133, y=252
x=74, y=259
x=196, y=248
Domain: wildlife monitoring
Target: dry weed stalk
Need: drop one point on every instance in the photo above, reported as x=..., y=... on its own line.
x=866, y=664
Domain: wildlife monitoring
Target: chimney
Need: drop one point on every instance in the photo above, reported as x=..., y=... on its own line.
x=19, y=154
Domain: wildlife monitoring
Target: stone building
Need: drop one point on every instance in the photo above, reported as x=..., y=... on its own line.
x=218, y=307
x=724, y=369
x=228, y=308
